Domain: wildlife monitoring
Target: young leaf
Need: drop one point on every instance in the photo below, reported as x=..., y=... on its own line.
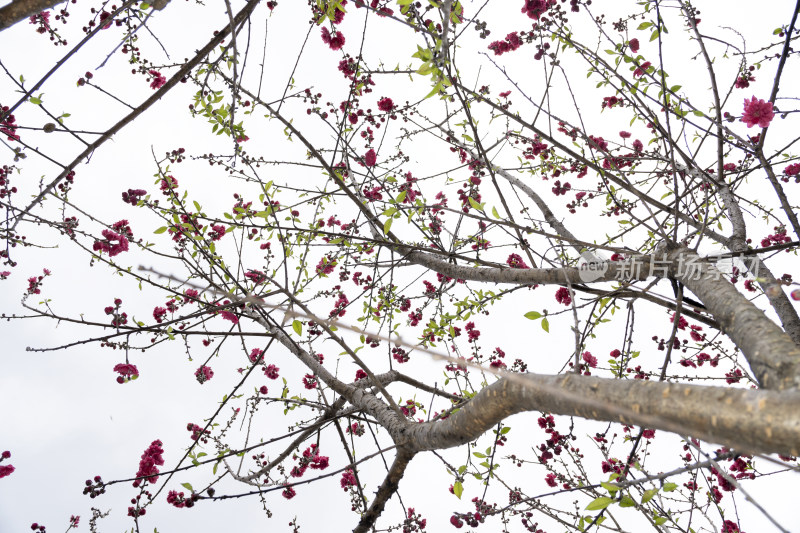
x=599, y=503
x=297, y=326
x=648, y=495
x=458, y=489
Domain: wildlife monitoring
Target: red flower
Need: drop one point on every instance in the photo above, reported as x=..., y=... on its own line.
x=334, y=40
x=515, y=261
x=536, y=8
x=158, y=79
x=641, y=70
x=634, y=44
x=590, y=359
x=151, y=458
x=757, y=113
x=126, y=372
x=203, y=374
x=6, y=470
x=385, y=104
x=370, y=158
x=563, y=297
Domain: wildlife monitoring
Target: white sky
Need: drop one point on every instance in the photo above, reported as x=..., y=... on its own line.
x=63, y=416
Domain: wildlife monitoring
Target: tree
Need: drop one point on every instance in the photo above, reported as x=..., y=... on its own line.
x=394, y=260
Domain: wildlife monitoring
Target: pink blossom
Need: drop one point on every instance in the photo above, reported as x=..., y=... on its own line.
x=515, y=261
x=757, y=113
x=563, y=296
x=6, y=470
x=151, y=458
x=536, y=8
x=106, y=245
x=634, y=44
x=370, y=158
x=348, y=479
x=126, y=370
x=590, y=359
x=159, y=313
x=158, y=79
x=385, y=104
x=203, y=374
x=334, y=40
x=641, y=70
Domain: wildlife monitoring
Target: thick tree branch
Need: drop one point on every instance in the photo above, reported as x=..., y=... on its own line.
x=19, y=10
x=386, y=490
x=753, y=421
x=771, y=353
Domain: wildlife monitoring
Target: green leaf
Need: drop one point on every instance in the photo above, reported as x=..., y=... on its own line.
x=648, y=495
x=546, y=325
x=187, y=486
x=610, y=487
x=533, y=315
x=599, y=503
x=297, y=326
x=144, y=6
x=402, y=196
x=644, y=25
x=669, y=487
x=660, y=520
x=475, y=205
x=495, y=213
x=627, y=501
x=36, y=101
x=458, y=489
x=479, y=455
x=160, y=230
x=387, y=225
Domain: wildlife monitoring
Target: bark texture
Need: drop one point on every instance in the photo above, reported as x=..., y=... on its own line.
x=21, y=9
x=753, y=421
x=771, y=353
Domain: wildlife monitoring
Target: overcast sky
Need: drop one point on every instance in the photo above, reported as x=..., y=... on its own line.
x=62, y=414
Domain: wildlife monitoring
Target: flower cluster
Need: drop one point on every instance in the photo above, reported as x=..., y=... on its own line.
x=113, y=243
x=536, y=8
x=178, y=500
x=515, y=261
x=127, y=372
x=563, y=296
x=310, y=459
x=35, y=282
x=94, y=488
x=509, y=44
x=348, y=479
x=203, y=374
x=334, y=40
x=151, y=459
x=158, y=79
x=6, y=470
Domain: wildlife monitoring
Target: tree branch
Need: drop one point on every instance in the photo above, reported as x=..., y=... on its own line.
x=753, y=421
